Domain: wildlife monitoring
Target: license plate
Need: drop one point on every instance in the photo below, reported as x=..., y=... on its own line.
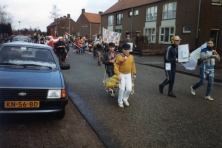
x=22, y=104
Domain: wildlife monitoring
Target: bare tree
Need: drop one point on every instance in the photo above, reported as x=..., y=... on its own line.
x=55, y=12
x=5, y=17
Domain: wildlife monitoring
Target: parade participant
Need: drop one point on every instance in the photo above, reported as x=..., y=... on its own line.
x=35, y=37
x=208, y=57
x=124, y=67
x=42, y=40
x=128, y=39
x=108, y=59
x=80, y=45
x=60, y=49
x=90, y=45
x=170, y=60
x=99, y=48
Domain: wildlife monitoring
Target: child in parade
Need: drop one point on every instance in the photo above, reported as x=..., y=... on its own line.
x=108, y=60
x=124, y=67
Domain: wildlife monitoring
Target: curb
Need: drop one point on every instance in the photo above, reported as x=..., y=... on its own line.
x=179, y=71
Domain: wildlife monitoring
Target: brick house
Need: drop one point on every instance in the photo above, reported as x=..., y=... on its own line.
x=62, y=25
x=195, y=21
x=88, y=24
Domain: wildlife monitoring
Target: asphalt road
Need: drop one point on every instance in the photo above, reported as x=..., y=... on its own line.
x=153, y=119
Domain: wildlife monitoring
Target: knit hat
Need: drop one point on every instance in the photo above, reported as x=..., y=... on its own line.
x=126, y=46
x=111, y=44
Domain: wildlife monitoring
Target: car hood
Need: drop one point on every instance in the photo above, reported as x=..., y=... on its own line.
x=30, y=79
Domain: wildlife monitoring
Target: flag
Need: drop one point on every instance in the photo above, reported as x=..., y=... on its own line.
x=194, y=56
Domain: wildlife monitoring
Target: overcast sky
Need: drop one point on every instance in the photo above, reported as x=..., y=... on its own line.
x=36, y=13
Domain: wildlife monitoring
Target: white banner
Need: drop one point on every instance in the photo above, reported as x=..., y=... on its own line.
x=111, y=36
x=194, y=56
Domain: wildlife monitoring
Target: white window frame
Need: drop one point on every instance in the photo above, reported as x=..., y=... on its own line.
x=151, y=13
x=185, y=30
x=136, y=12
x=130, y=13
x=216, y=2
x=169, y=35
x=119, y=19
x=169, y=10
x=151, y=34
x=110, y=20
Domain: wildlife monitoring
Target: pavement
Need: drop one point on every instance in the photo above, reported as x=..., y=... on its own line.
x=153, y=119
x=157, y=61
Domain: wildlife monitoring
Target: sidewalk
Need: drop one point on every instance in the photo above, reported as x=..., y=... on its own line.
x=157, y=61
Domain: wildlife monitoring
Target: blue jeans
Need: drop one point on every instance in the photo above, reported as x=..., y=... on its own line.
x=203, y=76
x=110, y=73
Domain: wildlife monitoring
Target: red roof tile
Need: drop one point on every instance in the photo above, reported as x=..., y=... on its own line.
x=125, y=4
x=93, y=17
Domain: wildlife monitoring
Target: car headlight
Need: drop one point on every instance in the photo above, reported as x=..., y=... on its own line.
x=56, y=94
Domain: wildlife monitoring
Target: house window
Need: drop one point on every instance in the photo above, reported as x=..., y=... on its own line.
x=136, y=12
x=216, y=2
x=186, y=29
x=130, y=13
x=110, y=20
x=169, y=10
x=151, y=13
x=166, y=33
x=119, y=19
x=150, y=33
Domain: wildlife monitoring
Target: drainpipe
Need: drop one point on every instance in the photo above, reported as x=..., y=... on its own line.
x=131, y=34
x=198, y=23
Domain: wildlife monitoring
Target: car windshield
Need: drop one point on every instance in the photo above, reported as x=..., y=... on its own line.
x=29, y=56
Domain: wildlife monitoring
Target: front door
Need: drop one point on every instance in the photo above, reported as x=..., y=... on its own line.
x=214, y=34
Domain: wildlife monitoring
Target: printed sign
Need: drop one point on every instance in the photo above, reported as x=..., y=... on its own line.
x=111, y=36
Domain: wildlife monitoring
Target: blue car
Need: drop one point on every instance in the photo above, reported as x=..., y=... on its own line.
x=31, y=80
x=21, y=39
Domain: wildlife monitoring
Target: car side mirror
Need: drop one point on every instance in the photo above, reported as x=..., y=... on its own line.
x=64, y=66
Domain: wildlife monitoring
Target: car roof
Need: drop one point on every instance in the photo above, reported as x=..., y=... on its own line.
x=25, y=44
x=20, y=36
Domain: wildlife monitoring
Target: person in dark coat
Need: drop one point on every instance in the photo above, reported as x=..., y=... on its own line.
x=108, y=59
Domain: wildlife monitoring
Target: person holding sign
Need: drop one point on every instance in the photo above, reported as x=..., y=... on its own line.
x=130, y=41
x=170, y=60
x=208, y=57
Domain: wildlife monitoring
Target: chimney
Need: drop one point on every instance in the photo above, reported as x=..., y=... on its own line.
x=68, y=15
x=64, y=16
x=54, y=19
x=100, y=12
x=83, y=11
x=60, y=17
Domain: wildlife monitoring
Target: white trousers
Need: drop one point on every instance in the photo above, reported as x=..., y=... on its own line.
x=125, y=87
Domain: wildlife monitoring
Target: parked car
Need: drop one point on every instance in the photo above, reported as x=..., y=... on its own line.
x=21, y=39
x=31, y=80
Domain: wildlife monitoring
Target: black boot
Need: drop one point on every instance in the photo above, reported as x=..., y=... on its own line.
x=161, y=88
x=172, y=95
